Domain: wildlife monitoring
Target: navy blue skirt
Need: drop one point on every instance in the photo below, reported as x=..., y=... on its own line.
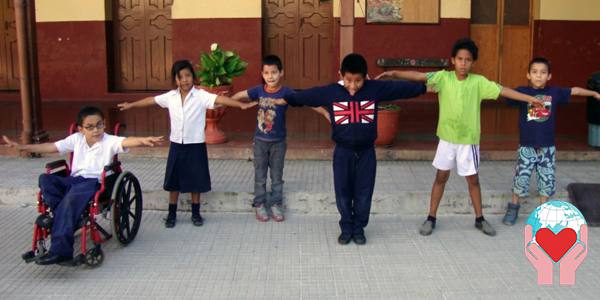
x=187, y=169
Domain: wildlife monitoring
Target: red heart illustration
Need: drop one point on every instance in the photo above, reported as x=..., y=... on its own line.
x=556, y=245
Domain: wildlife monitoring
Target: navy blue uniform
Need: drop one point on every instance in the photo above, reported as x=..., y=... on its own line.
x=354, y=130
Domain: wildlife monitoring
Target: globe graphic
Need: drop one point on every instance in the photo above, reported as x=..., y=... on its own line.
x=556, y=216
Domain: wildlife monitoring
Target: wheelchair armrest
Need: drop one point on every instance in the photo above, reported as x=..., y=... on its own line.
x=113, y=166
x=57, y=164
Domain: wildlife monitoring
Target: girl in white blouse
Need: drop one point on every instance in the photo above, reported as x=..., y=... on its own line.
x=187, y=165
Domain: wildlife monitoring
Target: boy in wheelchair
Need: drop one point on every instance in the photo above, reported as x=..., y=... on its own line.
x=67, y=197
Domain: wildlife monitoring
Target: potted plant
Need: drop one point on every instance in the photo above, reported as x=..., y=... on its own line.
x=216, y=72
x=388, y=118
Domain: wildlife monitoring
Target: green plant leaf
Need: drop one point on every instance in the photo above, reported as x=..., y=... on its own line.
x=220, y=66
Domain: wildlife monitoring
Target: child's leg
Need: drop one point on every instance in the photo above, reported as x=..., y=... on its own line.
x=196, y=218
x=444, y=161
x=545, y=169
x=515, y=199
x=343, y=170
x=475, y=193
x=53, y=188
x=173, y=196
x=68, y=213
x=195, y=198
x=276, y=162
x=172, y=215
x=437, y=190
x=523, y=170
x=364, y=183
x=467, y=165
x=261, y=165
x=525, y=163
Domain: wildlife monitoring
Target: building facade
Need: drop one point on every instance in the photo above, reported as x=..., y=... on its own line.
x=104, y=52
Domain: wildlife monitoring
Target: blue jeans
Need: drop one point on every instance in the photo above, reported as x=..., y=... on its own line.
x=268, y=155
x=67, y=197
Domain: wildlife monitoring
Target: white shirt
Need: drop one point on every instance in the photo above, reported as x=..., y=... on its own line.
x=88, y=162
x=187, y=119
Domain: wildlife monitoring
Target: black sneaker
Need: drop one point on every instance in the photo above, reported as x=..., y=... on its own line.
x=170, y=222
x=359, y=239
x=197, y=220
x=344, y=238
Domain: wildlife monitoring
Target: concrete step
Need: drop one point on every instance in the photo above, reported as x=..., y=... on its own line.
x=402, y=187
x=402, y=202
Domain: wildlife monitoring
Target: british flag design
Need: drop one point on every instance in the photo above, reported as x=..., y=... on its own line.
x=350, y=112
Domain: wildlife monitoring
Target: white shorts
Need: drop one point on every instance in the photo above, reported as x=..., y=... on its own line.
x=464, y=157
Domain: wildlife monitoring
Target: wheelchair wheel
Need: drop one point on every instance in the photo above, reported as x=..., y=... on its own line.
x=126, y=207
x=94, y=257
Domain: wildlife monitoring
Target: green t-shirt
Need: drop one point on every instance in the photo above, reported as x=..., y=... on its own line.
x=460, y=105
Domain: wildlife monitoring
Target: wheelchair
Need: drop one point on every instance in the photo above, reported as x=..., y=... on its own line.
x=119, y=200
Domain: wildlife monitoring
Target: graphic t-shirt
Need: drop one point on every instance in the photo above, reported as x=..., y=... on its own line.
x=537, y=125
x=270, y=120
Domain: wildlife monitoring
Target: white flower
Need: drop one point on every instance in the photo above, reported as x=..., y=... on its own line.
x=214, y=46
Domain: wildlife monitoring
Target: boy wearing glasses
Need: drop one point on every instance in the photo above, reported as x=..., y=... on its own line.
x=67, y=196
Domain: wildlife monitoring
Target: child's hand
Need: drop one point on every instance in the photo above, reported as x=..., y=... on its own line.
x=124, y=106
x=246, y=105
x=10, y=143
x=597, y=96
x=151, y=141
x=537, y=103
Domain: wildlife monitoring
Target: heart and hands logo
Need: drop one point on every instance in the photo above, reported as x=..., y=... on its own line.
x=556, y=233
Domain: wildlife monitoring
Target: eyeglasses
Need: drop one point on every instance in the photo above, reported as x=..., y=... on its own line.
x=97, y=126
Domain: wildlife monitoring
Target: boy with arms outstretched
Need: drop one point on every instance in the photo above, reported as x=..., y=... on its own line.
x=536, y=135
x=460, y=95
x=68, y=196
x=353, y=113
x=269, y=145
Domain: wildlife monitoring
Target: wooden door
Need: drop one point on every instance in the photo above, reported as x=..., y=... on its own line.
x=142, y=44
x=502, y=30
x=300, y=33
x=9, y=60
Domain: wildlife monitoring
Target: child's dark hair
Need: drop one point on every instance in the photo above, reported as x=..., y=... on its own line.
x=88, y=111
x=272, y=60
x=354, y=63
x=540, y=60
x=181, y=65
x=466, y=44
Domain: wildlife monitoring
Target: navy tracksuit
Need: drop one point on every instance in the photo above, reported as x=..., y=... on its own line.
x=354, y=130
x=67, y=197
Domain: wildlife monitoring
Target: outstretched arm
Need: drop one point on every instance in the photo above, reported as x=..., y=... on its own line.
x=224, y=100
x=150, y=141
x=240, y=95
x=406, y=75
x=36, y=148
x=322, y=111
x=512, y=94
x=148, y=101
x=577, y=91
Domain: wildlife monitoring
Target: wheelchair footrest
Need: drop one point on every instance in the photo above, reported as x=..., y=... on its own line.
x=76, y=261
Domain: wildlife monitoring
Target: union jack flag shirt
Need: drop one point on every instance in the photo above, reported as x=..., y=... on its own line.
x=354, y=117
